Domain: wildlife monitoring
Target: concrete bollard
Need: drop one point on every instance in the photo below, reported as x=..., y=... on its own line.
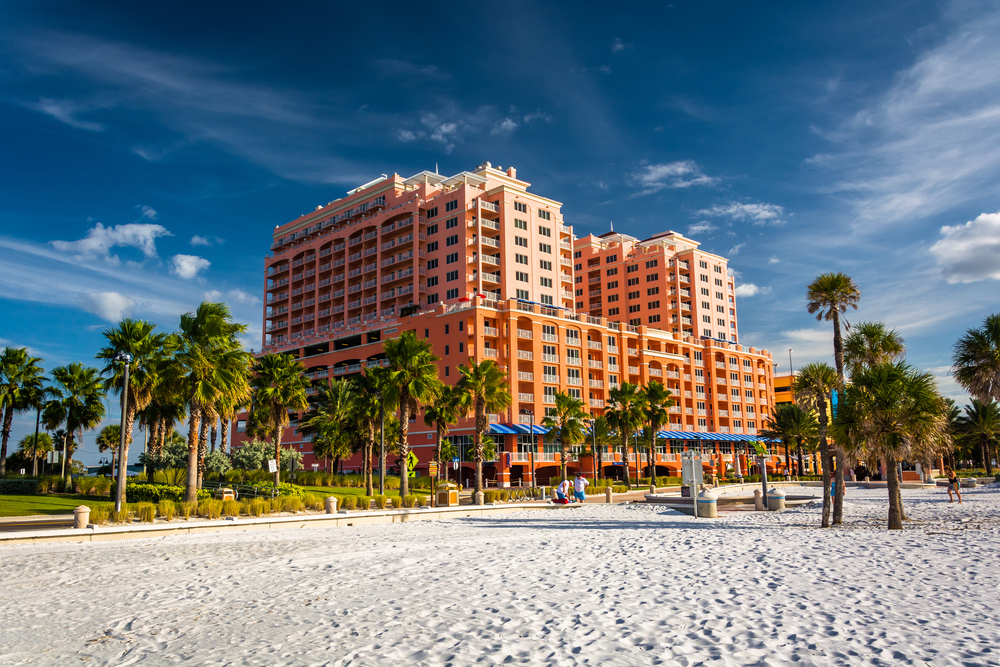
x=652, y=489
x=969, y=483
x=758, y=500
x=775, y=499
x=331, y=504
x=607, y=494
x=708, y=506
x=480, y=498
x=867, y=478
x=81, y=516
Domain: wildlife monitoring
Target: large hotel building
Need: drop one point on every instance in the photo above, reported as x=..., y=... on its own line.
x=486, y=269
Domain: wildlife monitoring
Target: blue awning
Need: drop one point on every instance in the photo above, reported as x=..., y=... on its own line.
x=522, y=429
x=539, y=430
x=501, y=429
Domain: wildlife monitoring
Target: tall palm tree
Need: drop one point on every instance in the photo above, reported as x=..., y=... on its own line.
x=327, y=420
x=979, y=428
x=482, y=389
x=414, y=372
x=779, y=426
x=813, y=387
x=976, y=360
x=109, y=439
x=656, y=401
x=78, y=404
x=39, y=399
x=167, y=406
x=829, y=296
x=137, y=339
x=20, y=383
x=566, y=424
x=625, y=414
x=279, y=386
x=601, y=438
x=886, y=411
x=211, y=365
x=870, y=344
x=440, y=415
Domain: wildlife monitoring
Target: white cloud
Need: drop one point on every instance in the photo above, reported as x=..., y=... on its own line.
x=774, y=260
x=406, y=136
x=703, y=227
x=237, y=295
x=65, y=111
x=109, y=306
x=681, y=174
x=970, y=252
x=188, y=266
x=206, y=240
x=735, y=250
x=100, y=239
x=758, y=214
x=618, y=46
x=147, y=212
x=749, y=289
x=537, y=115
x=505, y=126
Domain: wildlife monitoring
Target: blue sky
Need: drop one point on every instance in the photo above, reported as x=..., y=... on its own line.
x=149, y=149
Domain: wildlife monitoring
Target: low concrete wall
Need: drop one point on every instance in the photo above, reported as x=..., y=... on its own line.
x=182, y=527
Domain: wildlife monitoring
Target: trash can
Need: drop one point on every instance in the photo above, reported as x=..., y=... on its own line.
x=775, y=499
x=447, y=495
x=758, y=500
x=969, y=483
x=81, y=516
x=330, y=504
x=708, y=505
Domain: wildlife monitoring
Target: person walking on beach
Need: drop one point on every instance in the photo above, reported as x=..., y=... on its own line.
x=953, y=485
x=562, y=490
x=580, y=487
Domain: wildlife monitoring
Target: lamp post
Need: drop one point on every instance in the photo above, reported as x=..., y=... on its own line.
x=125, y=358
x=593, y=447
x=381, y=459
x=534, y=445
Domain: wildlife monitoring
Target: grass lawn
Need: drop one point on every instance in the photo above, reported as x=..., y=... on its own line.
x=351, y=491
x=45, y=504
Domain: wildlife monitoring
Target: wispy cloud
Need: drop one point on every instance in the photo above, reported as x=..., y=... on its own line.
x=618, y=46
x=970, y=252
x=232, y=296
x=681, y=174
x=505, y=126
x=774, y=260
x=749, y=289
x=109, y=306
x=703, y=227
x=66, y=111
x=757, y=213
x=197, y=240
x=100, y=240
x=735, y=250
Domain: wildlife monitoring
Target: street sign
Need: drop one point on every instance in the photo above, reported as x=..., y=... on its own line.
x=455, y=460
x=692, y=475
x=272, y=466
x=432, y=468
x=454, y=465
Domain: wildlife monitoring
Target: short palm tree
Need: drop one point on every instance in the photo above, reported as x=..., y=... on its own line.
x=565, y=423
x=20, y=383
x=328, y=419
x=870, y=344
x=600, y=440
x=109, y=439
x=979, y=428
x=814, y=385
x=779, y=425
x=482, y=389
x=440, y=415
x=78, y=403
x=279, y=386
x=656, y=401
x=414, y=372
x=887, y=410
x=137, y=339
x=625, y=415
x=976, y=360
x=829, y=296
x=36, y=449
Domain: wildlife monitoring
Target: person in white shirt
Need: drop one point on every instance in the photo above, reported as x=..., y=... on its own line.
x=562, y=490
x=580, y=485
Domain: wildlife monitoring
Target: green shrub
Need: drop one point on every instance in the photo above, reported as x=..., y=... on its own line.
x=167, y=509
x=120, y=516
x=257, y=507
x=293, y=504
x=365, y=503
x=100, y=513
x=231, y=507
x=381, y=501
x=619, y=488
x=349, y=502
x=490, y=496
x=312, y=501
x=19, y=487
x=146, y=512
x=188, y=509
x=212, y=509
x=284, y=489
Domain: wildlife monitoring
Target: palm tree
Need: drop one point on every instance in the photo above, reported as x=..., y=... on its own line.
x=414, y=372
x=167, y=406
x=656, y=399
x=78, y=404
x=976, y=360
x=135, y=338
x=34, y=448
x=441, y=415
x=482, y=390
x=39, y=399
x=328, y=420
x=870, y=344
x=211, y=366
x=279, y=386
x=813, y=387
x=980, y=427
x=565, y=422
x=109, y=439
x=625, y=415
x=601, y=438
x=20, y=383
x=830, y=295
x=778, y=426
x=887, y=410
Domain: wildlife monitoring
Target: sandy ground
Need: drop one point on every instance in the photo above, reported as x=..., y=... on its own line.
x=608, y=585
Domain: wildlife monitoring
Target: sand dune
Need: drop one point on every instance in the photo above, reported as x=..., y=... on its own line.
x=608, y=585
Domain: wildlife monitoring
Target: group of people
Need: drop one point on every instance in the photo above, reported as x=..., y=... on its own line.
x=579, y=486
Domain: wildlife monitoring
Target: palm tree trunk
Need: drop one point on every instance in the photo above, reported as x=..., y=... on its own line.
x=788, y=458
x=481, y=425
x=129, y=420
x=277, y=457
x=649, y=463
x=224, y=440
x=984, y=442
x=628, y=473
x=895, y=508
x=212, y=436
x=798, y=447
x=194, y=423
x=838, y=497
x=404, y=443
x=202, y=446
x=838, y=358
x=564, y=455
x=8, y=420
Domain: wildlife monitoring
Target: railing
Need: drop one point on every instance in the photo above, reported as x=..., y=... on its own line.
x=525, y=398
x=524, y=333
x=613, y=368
x=525, y=354
x=574, y=361
x=594, y=344
x=525, y=375
x=490, y=352
x=594, y=363
x=655, y=372
x=576, y=382
x=550, y=358
x=634, y=370
x=596, y=403
x=596, y=384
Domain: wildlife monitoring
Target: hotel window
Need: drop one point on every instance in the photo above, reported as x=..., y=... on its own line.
x=635, y=321
x=451, y=259
x=575, y=393
x=652, y=305
x=718, y=269
x=546, y=299
x=749, y=394
x=651, y=264
x=612, y=312
x=632, y=269
x=611, y=258
x=652, y=291
x=633, y=281
x=701, y=421
x=719, y=309
x=612, y=285
x=718, y=282
x=546, y=282
x=544, y=265
x=654, y=318
x=612, y=298
x=633, y=295
x=634, y=308
x=521, y=276
x=432, y=281
x=451, y=206
x=453, y=293
x=452, y=275
x=544, y=231
x=572, y=336
x=736, y=394
x=521, y=259
x=452, y=240
x=451, y=223
x=718, y=295
x=699, y=372
x=652, y=276
x=432, y=264
x=703, y=265
x=447, y=350
x=735, y=377
x=707, y=318
x=579, y=305
x=703, y=278
x=520, y=207
x=545, y=247
x=579, y=267
x=544, y=215
x=522, y=294
x=432, y=212
x=707, y=332
x=613, y=272
x=706, y=305
x=721, y=322
x=521, y=241
x=577, y=254
x=579, y=292
x=521, y=224
x=704, y=291
x=432, y=229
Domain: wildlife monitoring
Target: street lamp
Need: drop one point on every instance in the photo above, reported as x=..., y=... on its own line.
x=381, y=460
x=593, y=450
x=125, y=358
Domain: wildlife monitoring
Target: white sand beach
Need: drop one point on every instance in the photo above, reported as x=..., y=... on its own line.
x=598, y=585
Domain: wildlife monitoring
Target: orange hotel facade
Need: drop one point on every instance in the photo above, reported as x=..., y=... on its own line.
x=487, y=270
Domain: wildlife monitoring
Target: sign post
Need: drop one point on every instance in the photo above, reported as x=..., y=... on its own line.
x=692, y=475
x=272, y=466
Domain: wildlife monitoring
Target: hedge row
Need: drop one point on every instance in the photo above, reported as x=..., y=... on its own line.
x=154, y=493
x=19, y=487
